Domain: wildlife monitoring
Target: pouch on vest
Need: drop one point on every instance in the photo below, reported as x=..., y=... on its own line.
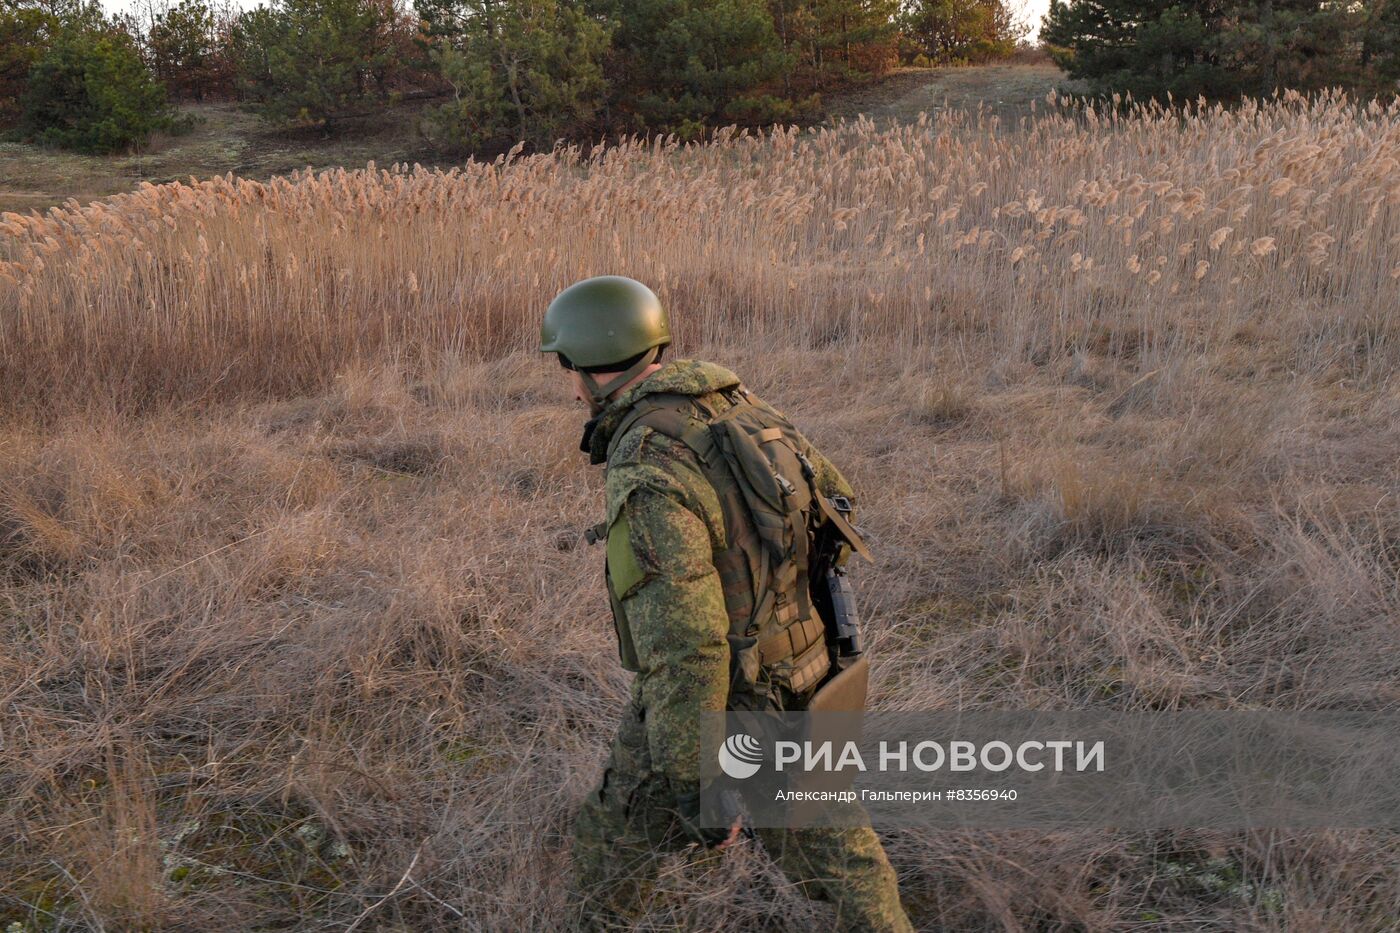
x=838, y=704
x=844, y=693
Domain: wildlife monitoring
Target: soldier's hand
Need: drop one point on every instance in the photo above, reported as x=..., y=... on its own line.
x=734, y=832
x=688, y=809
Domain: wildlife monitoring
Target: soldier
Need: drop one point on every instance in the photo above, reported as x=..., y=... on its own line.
x=680, y=606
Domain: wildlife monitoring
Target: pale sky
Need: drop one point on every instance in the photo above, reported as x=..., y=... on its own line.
x=1032, y=10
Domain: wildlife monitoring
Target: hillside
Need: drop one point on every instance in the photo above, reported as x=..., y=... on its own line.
x=1009, y=91
x=226, y=139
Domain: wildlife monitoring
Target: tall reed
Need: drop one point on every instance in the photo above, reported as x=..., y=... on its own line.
x=1146, y=231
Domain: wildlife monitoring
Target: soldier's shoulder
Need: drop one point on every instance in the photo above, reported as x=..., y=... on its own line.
x=644, y=445
x=695, y=377
x=647, y=458
x=638, y=445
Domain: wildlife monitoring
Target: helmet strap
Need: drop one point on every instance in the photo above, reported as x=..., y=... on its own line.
x=599, y=394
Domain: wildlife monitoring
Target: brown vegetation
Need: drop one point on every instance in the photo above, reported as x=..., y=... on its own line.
x=299, y=630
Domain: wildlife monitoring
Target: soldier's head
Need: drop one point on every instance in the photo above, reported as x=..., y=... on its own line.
x=608, y=331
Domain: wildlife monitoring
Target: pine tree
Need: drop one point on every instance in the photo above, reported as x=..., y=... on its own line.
x=27, y=30
x=313, y=61
x=248, y=48
x=1380, y=52
x=1212, y=48
x=944, y=31
x=679, y=65
x=526, y=70
x=184, y=50
x=851, y=33
x=91, y=91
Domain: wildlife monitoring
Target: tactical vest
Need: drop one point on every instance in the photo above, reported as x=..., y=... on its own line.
x=767, y=495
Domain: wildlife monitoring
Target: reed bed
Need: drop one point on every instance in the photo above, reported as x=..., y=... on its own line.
x=1165, y=232
x=297, y=629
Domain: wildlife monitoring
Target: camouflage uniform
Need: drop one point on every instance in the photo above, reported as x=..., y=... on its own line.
x=678, y=623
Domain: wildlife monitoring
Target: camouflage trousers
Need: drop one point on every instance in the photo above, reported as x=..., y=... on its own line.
x=627, y=822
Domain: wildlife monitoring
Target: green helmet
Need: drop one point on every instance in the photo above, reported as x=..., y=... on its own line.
x=605, y=321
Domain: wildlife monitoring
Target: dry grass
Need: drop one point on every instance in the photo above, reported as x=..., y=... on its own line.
x=1007, y=90
x=223, y=139
x=297, y=624
x=1271, y=229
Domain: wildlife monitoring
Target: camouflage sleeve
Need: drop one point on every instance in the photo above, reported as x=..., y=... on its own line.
x=676, y=615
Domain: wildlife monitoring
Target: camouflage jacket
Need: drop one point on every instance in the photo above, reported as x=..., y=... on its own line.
x=662, y=568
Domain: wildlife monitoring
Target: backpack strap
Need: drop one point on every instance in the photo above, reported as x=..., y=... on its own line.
x=797, y=522
x=669, y=414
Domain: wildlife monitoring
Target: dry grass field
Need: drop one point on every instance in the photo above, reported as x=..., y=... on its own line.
x=1005, y=89
x=223, y=138
x=297, y=630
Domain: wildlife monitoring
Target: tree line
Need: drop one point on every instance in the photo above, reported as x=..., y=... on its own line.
x=1222, y=49
x=497, y=71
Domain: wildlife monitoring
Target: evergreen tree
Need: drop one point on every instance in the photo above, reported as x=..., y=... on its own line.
x=1380, y=52
x=313, y=61
x=795, y=24
x=1305, y=45
x=184, y=50
x=944, y=31
x=680, y=65
x=92, y=92
x=1210, y=48
x=526, y=70
x=27, y=29
x=834, y=41
x=248, y=49
x=854, y=38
